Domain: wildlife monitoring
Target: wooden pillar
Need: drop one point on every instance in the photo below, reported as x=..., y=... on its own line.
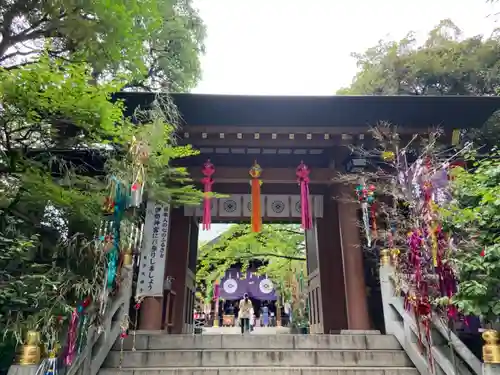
x=352, y=253
x=150, y=315
x=333, y=299
x=190, y=299
x=314, y=281
x=177, y=263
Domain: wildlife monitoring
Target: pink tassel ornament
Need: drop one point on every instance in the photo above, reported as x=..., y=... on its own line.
x=302, y=173
x=207, y=181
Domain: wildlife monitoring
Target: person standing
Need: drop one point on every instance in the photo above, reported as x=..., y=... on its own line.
x=265, y=315
x=230, y=312
x=244, y=313
x=288, y=312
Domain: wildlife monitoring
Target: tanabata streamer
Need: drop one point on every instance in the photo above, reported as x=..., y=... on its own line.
x=255, y=173
x=425, y=187
x=109, y=236
x=139, y=155
x=216, y=290
x=207, y=181
x=113, y=254
x=366, y=196
x=72, y=338
x=302, y=173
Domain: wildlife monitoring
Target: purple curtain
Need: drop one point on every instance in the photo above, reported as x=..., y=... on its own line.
x=235, y=284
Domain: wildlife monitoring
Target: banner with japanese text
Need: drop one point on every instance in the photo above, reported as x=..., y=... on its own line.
x=154, y=250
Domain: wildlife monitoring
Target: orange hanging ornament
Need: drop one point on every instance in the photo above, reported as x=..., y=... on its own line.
x=255, y=173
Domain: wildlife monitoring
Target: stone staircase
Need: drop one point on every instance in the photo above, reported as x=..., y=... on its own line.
x=160, y=354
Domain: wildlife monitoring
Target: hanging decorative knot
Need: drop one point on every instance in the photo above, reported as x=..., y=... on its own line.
x=366, y=196
x=208, y=170
x=255, y=172
x=137, y=307
x=365, y=193
x=388, y=156
x=124, y=326
x=302, y=173
x=124, y=333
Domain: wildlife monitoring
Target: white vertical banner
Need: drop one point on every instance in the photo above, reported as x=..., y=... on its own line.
x=154, y=250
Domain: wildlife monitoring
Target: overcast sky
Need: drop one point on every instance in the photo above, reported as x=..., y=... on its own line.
x=303, y=47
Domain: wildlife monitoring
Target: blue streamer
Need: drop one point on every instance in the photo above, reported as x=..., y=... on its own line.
x=114, y=252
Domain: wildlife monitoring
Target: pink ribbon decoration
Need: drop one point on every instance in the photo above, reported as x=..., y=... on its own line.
x=72, y=338
x=216, y=290
x=415, y=243
x=302, y=173
x=207, y=181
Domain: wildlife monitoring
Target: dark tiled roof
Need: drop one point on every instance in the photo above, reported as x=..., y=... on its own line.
x=325, y=111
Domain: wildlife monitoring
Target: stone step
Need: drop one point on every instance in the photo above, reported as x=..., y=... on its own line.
x=257, y=358
x=160, y=340
x=261, y=371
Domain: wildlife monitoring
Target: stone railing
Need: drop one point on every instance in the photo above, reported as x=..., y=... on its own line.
x=99, y=339
x=446, y=353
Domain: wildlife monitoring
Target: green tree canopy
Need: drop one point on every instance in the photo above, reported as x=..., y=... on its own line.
x=447, y=63
x=473, y=219
x=279, y=247
x=56, y=128
x=158, y=42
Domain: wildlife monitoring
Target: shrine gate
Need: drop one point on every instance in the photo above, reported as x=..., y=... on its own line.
x=280, y=132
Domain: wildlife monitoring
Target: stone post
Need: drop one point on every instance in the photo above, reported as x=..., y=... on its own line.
x=387, y=291
x=491, y=352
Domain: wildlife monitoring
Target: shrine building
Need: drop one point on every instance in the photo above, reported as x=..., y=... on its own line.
x=280, y=132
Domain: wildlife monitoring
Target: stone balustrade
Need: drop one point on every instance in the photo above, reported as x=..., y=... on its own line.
x=450, y=356
x=99, y=341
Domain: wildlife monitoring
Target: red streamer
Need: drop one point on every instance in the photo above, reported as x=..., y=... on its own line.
x=72, y=338
x=302, y=173
x=207, y=181
x=373, y=211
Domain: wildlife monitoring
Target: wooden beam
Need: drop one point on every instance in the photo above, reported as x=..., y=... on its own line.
x=269, y=175
x=333, y=130
x=259, y=143
x=270, y=129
